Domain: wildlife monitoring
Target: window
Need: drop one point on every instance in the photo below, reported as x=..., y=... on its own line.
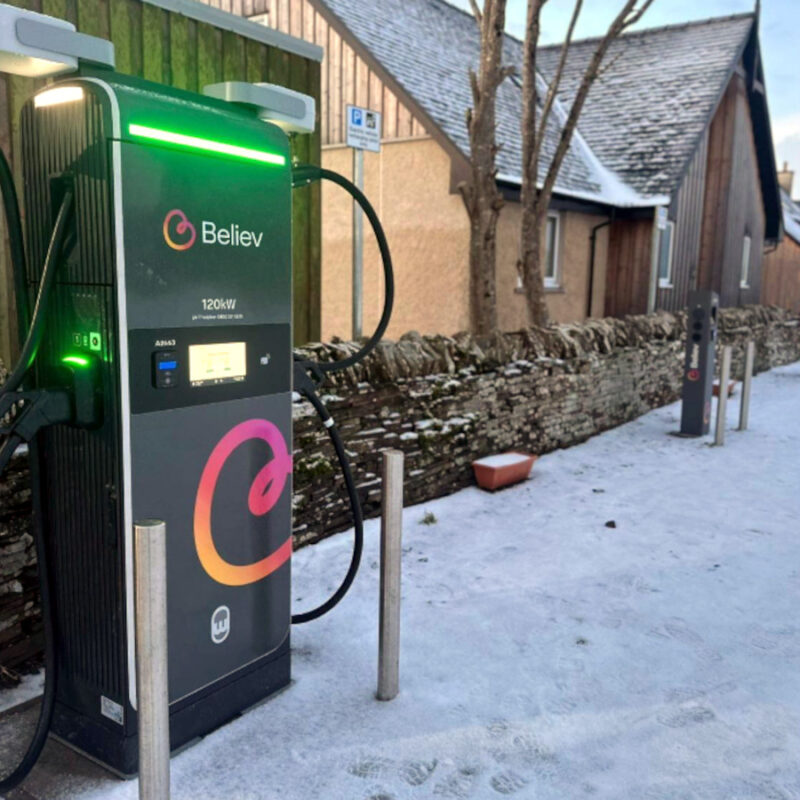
x=744, y=281
x=551, y=271
x=665, y=240
x=551, y=276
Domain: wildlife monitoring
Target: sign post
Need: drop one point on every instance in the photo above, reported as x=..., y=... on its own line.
x=363, y=133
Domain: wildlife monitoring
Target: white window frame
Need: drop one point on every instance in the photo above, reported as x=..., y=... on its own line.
x=666, y=283
x=554, y=281
x=747, y=254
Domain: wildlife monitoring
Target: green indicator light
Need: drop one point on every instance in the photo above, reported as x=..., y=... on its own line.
x=172, y=137
x=79, y=361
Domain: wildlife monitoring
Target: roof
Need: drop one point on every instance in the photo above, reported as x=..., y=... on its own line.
x=791, y=216
x=434, y=72
x=644, y=115
x=641, y=123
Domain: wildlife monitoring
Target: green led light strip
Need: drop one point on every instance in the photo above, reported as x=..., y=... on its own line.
x=172, y=137
x=79, y=361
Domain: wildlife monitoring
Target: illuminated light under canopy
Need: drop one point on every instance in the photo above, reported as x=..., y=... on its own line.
x=78, y=361
x=58, y=95
x=209, y=145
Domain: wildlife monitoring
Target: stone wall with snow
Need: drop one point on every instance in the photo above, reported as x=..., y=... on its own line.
x=444, y=401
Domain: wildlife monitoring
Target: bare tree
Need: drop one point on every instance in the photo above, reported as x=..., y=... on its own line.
x=535, y=198
x=481, y=195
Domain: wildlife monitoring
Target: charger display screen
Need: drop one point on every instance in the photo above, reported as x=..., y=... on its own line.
x=211, y=364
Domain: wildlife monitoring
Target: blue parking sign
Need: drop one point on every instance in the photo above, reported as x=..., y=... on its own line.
x=358, y=118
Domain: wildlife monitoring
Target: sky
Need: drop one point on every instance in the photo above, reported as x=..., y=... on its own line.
x=780, y=23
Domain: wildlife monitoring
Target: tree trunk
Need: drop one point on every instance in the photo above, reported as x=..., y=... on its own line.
x=482, y=198
x=535, y=199
x=534, y=218
x=483, y=209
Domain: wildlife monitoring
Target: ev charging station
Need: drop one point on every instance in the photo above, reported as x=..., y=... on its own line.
x=158, y=374
x=698, y=373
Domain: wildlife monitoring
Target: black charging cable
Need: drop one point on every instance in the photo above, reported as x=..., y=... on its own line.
x=14, y=438
x=309, y=375
x=304, y=174
x=16, y=244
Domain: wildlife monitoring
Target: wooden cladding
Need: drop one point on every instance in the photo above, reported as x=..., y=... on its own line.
x=347, y=78
x=780, y=284
x=173, y=49
x=716, y=206
x=686, y=211
x=733, y=205
x=630, y=243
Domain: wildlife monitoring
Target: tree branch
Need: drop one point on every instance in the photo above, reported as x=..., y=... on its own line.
x=552, y=91
x=529, y=89
x=476, y=11
x=628, y=15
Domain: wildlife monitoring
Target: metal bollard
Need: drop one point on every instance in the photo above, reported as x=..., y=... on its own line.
x=391, y=554
x=744, y=405
x=722, y=400
x=151, y=659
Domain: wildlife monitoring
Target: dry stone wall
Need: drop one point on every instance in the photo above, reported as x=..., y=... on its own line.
x=444, y=401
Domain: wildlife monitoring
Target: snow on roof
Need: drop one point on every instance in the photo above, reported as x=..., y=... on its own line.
x=429, y=46
x=658, y=90
x=791, y=216
x=643, y=117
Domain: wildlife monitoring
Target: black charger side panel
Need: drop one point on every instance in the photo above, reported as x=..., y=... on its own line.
x=77, y=473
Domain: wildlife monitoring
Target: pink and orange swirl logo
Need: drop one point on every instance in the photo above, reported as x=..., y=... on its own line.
x=265, y=491
x=183, y=227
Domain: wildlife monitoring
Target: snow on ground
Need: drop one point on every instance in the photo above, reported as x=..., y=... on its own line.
x=30, y=686
x=544, y=654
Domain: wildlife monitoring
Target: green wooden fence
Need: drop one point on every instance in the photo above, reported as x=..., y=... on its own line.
x=169, y=47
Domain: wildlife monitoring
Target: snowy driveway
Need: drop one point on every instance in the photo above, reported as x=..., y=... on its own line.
x=546, y=655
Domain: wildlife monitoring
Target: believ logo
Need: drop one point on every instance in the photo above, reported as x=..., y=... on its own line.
x=181, y=229
x=265, y=492
x=177, y=227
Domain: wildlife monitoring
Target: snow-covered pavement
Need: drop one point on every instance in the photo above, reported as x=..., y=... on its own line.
x=544, y=653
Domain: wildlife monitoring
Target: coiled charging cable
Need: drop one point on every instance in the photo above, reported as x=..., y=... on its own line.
x=309, y=375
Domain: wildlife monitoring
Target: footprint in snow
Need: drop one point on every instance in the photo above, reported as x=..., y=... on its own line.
x=694, y=715
x=497, y=728
x=415, y=773
x=457, y=786
x=370, y=767
x=508, y=783
x=678, y=629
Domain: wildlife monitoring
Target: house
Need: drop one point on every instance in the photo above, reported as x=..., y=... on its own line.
x=682, y=111
x=669, y=182
x=780, y=281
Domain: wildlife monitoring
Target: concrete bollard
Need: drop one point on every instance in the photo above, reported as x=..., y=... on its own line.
x=722, y=400
x=152, y=688
x=747, y=382
x=390, y=590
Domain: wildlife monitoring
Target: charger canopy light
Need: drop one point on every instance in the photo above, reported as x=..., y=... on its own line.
x=292, y=111
x=36, y=46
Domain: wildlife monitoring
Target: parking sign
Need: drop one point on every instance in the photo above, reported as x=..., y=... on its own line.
x=363, y=129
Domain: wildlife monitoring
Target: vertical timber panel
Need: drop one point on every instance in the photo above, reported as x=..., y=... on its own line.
x=257, y=64
x=233, y=57
x=155, y=40
x=209, y=54
x=179, y=51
